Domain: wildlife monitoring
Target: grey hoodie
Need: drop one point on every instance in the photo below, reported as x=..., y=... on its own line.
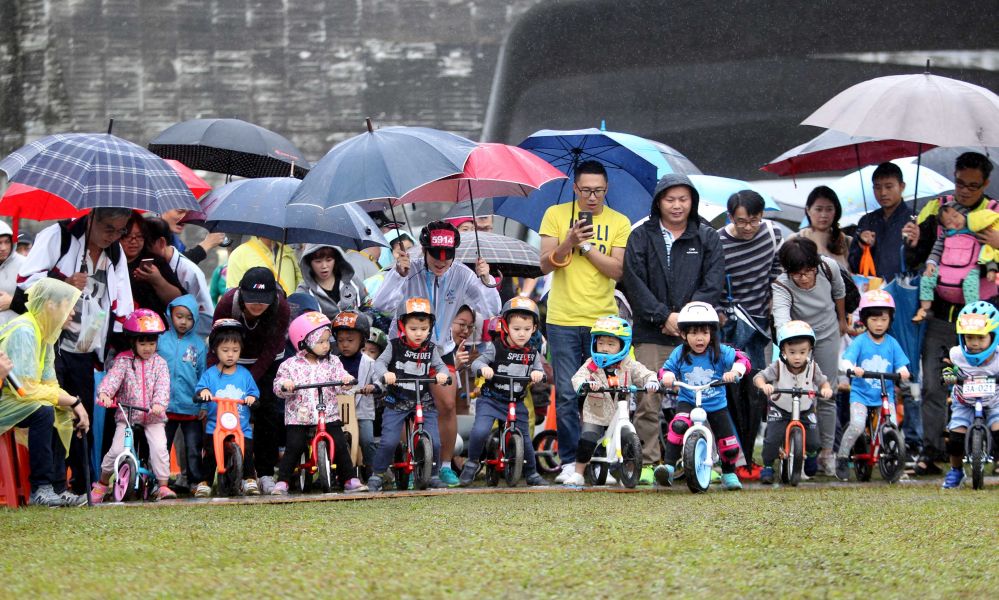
x=352, y=293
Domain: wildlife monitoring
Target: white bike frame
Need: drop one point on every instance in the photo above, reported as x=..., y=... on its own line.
x=611, y=439
x=700, y=418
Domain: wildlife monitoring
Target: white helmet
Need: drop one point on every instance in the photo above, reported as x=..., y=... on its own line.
x=697, y=313
x=5, y=229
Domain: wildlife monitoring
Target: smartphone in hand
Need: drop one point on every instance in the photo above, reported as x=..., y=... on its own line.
x=586, y=217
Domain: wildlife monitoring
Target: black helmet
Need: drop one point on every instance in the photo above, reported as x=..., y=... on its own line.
x=441, y=238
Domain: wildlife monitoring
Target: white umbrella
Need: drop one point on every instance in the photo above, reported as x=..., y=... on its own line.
x=921, y=108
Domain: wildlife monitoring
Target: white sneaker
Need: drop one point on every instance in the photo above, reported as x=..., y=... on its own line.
x=574, y=480
x=611, y=480
x=567, y=471
x=266, y=485
x=250, y=487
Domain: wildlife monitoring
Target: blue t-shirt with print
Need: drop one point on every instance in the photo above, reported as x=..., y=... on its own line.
x=239, y=385
x=699, y=371
x=884, y=357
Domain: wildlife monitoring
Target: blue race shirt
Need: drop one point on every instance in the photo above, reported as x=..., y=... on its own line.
x=237, y=385
x=884, y=357
x=700, y=370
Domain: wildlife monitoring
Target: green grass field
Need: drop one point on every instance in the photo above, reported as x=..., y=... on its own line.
x=835, y=541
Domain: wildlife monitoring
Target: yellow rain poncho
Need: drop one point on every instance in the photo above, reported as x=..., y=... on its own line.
x=29, y=342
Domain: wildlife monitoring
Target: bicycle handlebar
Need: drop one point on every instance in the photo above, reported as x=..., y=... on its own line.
x=620, y=389
x=216, y=399
x=133, y=407
x=796, y=392
x=325, y=384
x=695, y=388
x=894, y=377
x=544, y=378
x=399, y=380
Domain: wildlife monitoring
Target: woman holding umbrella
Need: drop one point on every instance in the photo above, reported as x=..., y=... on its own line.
x=45, y=409
x=448, y=285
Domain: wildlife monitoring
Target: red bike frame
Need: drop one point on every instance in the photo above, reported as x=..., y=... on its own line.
x=321, y=434
x=875, y=419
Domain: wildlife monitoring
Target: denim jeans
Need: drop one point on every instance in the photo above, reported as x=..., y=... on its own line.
x=46, y=455
x=392, y=426
x=366, y=431
x=194, y=432
x=570, y=347
x=488, y=411
x=742, y=336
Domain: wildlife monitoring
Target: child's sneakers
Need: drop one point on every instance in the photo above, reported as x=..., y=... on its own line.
x=575, y=480
x=767, y=475
x=648, y=475
x=953, y=478
x=663, y=475
x=568, y=470
x=98, y=492
x=843, y=469
x=730, y=481
x=280, y=489
x=436, y=483
x=203, y=490
x=165, y=493
x=534, y=479
x=354, y=485
x=468, y=473
x=811, y=466
x=266, y=485
x=250, y=487
x=375, y=483
x=449, y=477
x=68, y=498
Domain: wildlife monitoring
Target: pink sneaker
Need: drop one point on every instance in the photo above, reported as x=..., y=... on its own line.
x=280, y=489
x=97, y=492
x=355, y=485
x=166, y=493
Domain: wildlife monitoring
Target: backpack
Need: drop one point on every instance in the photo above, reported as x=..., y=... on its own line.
x=959, y=258
x=852, y=299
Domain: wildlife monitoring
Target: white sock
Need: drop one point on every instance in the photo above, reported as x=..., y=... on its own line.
x=445, y=464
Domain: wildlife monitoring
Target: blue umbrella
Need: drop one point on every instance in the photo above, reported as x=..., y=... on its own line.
x=258, y=207
x=666, y=158
x=94, y=170
x=631, y=178
x=382, y=164
x=716, y=190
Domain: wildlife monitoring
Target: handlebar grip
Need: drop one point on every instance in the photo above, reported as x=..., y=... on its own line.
x=307, y=386
x=893, y=377
x=721, y=383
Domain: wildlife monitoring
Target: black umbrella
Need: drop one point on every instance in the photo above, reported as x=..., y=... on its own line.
x=230, y=146
x=942, y=161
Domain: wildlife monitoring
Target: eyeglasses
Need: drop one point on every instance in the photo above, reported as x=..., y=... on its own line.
x=135, y=237
x=463, y=326
x=972, y=187
x=595, y=192
x=748, y=222
x=805, y=274
x=111, y=231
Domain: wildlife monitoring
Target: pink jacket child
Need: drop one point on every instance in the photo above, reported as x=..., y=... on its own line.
x=138, y=377
x=300, y=408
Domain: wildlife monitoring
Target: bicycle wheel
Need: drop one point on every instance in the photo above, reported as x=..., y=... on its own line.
x=546, y=452
x=492, y=453
x=796, y=458
x=861, y=467
x=596, y=471
x=631, y=459
x=697, y=462
x=323, y=471
x=977, y=456
x=423, y=457
x=304, y=475
x=401, y=474
x=231, y=482
x=124, y=483
x=514, y=458
x=892, y=458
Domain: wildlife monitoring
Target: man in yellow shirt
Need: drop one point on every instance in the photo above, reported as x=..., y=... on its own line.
x=587, y=260
x=259, y=252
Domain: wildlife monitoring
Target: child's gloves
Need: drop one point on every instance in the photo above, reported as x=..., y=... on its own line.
x=652, y=387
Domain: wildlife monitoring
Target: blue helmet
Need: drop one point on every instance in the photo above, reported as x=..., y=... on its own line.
x=612, y=326
x=978, y=318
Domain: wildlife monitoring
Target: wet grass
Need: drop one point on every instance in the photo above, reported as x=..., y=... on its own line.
x=806, y=542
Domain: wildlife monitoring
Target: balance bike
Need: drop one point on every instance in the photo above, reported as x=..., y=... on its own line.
x=978, y=440
x=881, y=443
x=698, y=442
x=792, y=458
x=416, y=452
x=619, y=450
x=132, y=477
x=318, y=459
x=229, y=444
x=505, y=448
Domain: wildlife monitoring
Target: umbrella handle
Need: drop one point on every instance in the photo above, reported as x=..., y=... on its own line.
x=492, y=285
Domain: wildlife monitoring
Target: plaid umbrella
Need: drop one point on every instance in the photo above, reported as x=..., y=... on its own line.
x=506, y=255
x=96, y=170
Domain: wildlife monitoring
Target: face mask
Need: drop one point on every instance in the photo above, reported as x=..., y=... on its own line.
x=385, y=258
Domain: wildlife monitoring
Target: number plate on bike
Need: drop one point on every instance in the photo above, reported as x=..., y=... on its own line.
x=978, y=388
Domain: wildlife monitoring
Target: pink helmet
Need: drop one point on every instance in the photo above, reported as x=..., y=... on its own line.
x=305, y=324
x=877, y=299
x=143, y=321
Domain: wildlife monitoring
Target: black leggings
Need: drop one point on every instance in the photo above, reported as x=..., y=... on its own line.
x=208, y=465
x=747, y=405
x=721, y=426
x=297, y=440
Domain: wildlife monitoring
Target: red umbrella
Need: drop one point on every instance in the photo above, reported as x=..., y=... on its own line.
x=27, y=202
x=491, y=170
x=836, y=151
